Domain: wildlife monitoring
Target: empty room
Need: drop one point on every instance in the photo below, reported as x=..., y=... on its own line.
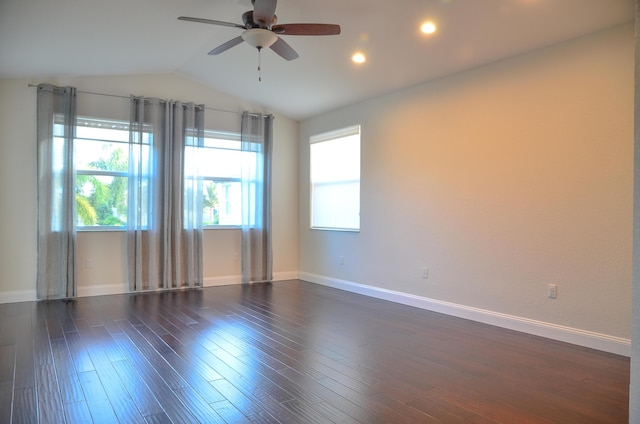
x=238, y=211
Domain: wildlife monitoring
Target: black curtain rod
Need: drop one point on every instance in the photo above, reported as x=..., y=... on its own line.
x=127, y=97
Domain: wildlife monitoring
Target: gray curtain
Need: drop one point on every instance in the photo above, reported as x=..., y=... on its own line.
x=257, y=144
x=56, y=118
x=164, y=234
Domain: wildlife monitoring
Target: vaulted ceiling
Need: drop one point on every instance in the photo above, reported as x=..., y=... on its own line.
x=116, y=37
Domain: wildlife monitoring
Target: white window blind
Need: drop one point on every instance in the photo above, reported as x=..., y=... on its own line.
x=335, y=180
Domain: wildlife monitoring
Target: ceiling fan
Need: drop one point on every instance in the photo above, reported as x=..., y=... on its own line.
x=261, y=30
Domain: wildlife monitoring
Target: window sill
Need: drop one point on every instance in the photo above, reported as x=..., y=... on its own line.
x=341, y=230
x=100, y=229
x=222, y=227
x=124, y=229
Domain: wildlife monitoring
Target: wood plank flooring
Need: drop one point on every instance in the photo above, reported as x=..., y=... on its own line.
x=289, y=352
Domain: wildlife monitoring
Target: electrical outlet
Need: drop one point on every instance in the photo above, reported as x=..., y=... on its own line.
x=552, y=291
x=425, y=273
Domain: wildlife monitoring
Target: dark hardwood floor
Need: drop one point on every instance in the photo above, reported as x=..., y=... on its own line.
x=289, y=352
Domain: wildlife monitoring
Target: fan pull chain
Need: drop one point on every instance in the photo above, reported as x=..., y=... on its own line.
x=259, y=64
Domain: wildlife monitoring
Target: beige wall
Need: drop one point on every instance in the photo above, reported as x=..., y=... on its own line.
x=500, y=180
x=107, y=249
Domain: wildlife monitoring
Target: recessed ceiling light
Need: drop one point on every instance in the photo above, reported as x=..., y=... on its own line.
x=359, y=57
x=428, y=28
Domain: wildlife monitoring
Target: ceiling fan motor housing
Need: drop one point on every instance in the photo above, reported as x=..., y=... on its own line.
x=249, y=22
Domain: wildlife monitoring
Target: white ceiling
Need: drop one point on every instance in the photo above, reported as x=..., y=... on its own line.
x=110, y=37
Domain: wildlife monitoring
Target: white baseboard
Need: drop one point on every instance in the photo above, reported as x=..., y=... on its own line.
x=287, y=275
x=84, y=291
x=107, y=289
x=17, y=296
x=237, y=279
x=221, y=281
x=562, y=333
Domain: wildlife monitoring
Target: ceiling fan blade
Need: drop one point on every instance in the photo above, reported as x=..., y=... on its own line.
x=307, y=29
x=263, y=12
x=284, y=50
x=210, y=21
x=226, y=46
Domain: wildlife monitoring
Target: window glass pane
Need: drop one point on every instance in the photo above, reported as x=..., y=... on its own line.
x=221, y=167
x=336, y=160
x=101, y=200
x=103, y=132
x=221, y=203
x=220, y=163
x=101, y=155
x=219, y=143
x=335, y=181
x=335, y=205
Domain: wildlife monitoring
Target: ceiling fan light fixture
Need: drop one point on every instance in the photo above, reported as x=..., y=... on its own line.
x=259, y=38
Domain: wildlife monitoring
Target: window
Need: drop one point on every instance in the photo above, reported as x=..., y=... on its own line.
x=101, y=154
x=335, y=180
x=221, y=171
